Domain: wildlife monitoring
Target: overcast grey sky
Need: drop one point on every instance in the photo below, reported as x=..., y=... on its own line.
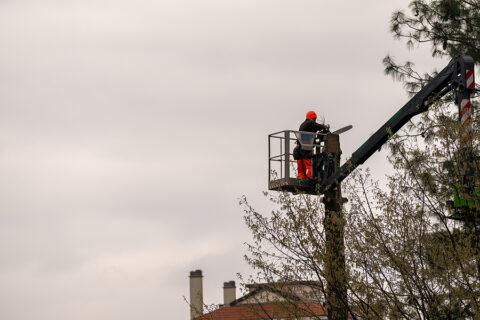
x=129, y=129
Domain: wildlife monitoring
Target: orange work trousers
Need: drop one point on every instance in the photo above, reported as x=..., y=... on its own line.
x=304, y=168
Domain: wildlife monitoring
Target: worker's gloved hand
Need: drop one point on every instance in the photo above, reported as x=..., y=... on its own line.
x=327, y=128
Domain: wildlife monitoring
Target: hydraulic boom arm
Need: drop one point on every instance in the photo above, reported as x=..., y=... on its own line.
x=458, y=75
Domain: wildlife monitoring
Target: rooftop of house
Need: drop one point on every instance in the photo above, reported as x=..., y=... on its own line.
x=273, y=301
x=265, y=311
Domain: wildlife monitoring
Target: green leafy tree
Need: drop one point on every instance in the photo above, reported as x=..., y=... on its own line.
x=406, y=259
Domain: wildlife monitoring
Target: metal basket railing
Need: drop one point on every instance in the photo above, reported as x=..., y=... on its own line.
x=281, y=165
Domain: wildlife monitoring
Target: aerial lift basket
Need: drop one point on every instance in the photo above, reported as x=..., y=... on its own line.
x=281, y=165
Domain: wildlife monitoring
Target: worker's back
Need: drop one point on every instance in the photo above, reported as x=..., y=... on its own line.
x=311, y=126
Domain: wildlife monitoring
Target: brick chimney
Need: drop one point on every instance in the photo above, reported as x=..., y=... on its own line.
x=229, y=292
x=196, y=294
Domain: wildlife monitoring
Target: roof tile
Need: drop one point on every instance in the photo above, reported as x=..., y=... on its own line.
x=264, y=311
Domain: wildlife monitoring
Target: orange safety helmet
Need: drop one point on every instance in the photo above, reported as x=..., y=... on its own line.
x=311, y=115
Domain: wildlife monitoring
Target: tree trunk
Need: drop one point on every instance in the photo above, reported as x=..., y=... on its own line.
x=334, y=224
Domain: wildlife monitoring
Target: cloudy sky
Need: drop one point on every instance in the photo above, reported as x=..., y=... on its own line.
x=129, y=129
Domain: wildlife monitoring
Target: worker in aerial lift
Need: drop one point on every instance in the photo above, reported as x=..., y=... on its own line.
x=304, y=163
